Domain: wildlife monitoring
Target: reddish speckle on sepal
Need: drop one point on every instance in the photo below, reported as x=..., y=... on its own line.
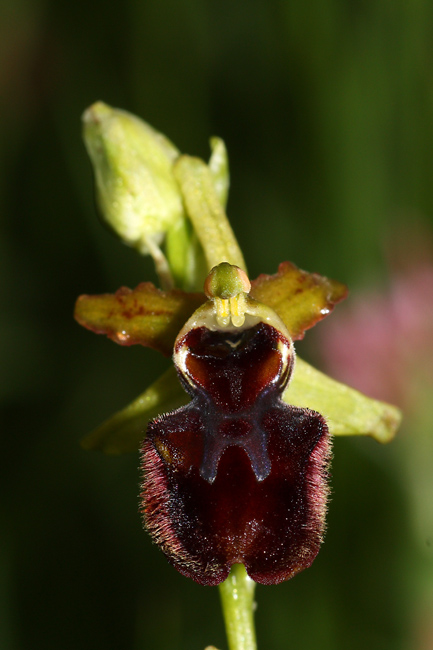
x=236, y=476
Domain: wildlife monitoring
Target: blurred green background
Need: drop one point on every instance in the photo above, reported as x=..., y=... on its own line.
x=327, y=112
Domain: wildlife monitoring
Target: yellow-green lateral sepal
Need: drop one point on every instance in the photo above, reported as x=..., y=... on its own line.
x=204, y=208
x=347, y=411
x=123, y=432
x=300, y=299
x=144, y=315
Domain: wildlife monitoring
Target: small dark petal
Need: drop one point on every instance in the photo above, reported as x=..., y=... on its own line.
x=236, y=476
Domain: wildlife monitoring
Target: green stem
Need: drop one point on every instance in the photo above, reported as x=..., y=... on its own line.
x=161, y=264
x=237, y=597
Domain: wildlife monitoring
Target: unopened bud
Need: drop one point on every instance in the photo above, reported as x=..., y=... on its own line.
x=135, y=188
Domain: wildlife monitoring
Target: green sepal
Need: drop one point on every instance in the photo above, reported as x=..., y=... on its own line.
x=123, y=432
x=347, y=411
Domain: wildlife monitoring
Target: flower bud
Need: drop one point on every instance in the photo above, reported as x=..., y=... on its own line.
x=135, y=188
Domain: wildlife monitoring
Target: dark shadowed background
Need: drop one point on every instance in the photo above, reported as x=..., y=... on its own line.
x=327, y=112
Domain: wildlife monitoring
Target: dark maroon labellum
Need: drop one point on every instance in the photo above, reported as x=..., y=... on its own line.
x=236, y=476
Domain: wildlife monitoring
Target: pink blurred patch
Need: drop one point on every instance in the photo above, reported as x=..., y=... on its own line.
x=382, y=344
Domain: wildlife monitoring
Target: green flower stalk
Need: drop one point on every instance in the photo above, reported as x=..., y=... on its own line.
x=237, y=597
x=235, y=458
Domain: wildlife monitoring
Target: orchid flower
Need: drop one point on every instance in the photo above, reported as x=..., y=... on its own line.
x=235, y=437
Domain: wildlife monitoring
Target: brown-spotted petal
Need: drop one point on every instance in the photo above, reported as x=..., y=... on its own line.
x=144, y=315
x=300, y=299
